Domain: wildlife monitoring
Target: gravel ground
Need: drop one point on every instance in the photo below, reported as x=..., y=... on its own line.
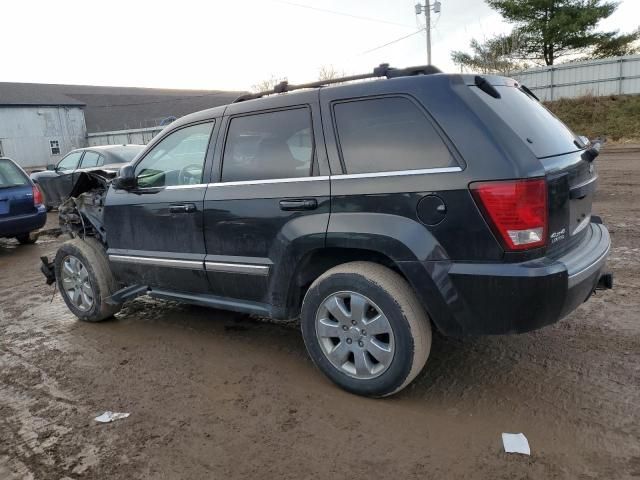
x=221, y=395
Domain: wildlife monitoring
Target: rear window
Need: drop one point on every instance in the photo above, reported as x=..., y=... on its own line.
x=540, y=129
x=11, y=176
x=388, y=134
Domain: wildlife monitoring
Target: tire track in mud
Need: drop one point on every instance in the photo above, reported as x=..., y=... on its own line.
x=46, y=432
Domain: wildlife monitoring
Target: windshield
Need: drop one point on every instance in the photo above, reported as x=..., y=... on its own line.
x=11, y=175
x=127, y=154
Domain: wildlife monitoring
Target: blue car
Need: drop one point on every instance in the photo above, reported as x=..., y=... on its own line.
x=21, y=208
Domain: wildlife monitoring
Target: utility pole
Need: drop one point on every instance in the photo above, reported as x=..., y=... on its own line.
x=426, y=8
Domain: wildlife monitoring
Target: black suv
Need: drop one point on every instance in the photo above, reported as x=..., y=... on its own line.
x=373, y=210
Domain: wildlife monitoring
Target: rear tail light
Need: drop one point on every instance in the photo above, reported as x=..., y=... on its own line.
x=516, y=211
x=37, y=196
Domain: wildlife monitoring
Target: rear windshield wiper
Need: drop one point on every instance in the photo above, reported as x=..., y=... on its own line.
x=528, y=92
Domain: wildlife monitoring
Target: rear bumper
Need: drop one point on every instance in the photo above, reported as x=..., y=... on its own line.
x=478, y=299
x=21, y=224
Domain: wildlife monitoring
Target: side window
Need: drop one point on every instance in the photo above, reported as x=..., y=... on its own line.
x=70, y=162
x=177, y=160
x=268, y=145
x=387, y=134
x=90, y=159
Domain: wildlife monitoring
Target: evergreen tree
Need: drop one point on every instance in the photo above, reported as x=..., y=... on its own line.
x=551, y=29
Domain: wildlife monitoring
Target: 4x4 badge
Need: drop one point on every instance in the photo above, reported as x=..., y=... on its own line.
x=557, y=236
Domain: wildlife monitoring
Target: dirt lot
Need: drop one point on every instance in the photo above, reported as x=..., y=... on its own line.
x=220, y=395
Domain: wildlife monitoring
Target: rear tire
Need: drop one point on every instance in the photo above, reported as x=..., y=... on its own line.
x=365, y=329
x=28, y=238
x=85, y=279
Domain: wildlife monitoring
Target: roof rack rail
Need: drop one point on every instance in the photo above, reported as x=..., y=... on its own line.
x=382, y=70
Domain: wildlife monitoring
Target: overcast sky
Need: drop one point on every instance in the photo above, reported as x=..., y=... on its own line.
x=224, y=44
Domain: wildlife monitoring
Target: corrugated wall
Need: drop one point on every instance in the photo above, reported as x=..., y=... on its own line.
x=610, y=76
x=25, y=133
x=140, y=136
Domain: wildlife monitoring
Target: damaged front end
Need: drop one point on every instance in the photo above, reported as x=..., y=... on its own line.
x=82, y=214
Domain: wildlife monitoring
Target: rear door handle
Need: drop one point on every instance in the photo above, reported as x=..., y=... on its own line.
x=183, y=208
x=299, y=204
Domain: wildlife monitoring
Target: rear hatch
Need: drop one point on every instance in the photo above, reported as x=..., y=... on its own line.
x=571, y=180
x=16, y=191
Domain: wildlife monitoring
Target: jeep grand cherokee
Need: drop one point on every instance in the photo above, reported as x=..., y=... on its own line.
x=373, y=210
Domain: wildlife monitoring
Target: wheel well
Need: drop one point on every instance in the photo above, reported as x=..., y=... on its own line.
x=317, y=262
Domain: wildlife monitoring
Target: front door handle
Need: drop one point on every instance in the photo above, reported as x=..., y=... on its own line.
x=183, y=208
x=299, y=204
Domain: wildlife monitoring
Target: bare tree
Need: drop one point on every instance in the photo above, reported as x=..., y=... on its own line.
x=329, y=72
x=326, y=72
x=266, y=84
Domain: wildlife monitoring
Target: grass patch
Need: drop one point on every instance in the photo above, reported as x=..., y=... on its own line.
x=616, y=117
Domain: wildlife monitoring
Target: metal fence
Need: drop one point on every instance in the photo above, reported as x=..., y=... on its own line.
x=140, y=136
x=609, y=76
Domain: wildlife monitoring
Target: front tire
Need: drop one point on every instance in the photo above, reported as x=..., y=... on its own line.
x=365, y=329
x=85, y=279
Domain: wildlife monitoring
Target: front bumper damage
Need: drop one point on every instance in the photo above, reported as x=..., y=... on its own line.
x=81, y=215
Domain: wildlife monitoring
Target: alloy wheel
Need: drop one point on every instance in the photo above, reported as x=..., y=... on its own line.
x=355, y=335
x=76, y=283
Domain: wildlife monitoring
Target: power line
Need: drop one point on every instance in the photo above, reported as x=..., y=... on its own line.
x=393, y=41
x=358, y=17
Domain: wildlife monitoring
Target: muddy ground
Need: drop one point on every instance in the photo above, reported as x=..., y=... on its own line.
x=220, y=395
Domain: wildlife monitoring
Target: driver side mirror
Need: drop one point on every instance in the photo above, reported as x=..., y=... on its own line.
x=126, y=179
x=51, y=166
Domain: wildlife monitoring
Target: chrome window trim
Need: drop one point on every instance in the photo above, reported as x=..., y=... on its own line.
x=159, y=262
x=180, y=187
x=393, y=173
x=270, y=180
x=397, y=173
x=247, y=268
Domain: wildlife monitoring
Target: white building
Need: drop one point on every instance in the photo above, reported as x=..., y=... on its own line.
x=36, y=130
x=40, y=123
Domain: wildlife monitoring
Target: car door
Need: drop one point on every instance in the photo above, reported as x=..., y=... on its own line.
x=57, y=184
x=154, y=232
x=89, y=159
x=271, y=201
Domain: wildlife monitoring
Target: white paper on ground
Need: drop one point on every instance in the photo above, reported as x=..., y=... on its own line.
x=515, y=443
x=107, y=417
